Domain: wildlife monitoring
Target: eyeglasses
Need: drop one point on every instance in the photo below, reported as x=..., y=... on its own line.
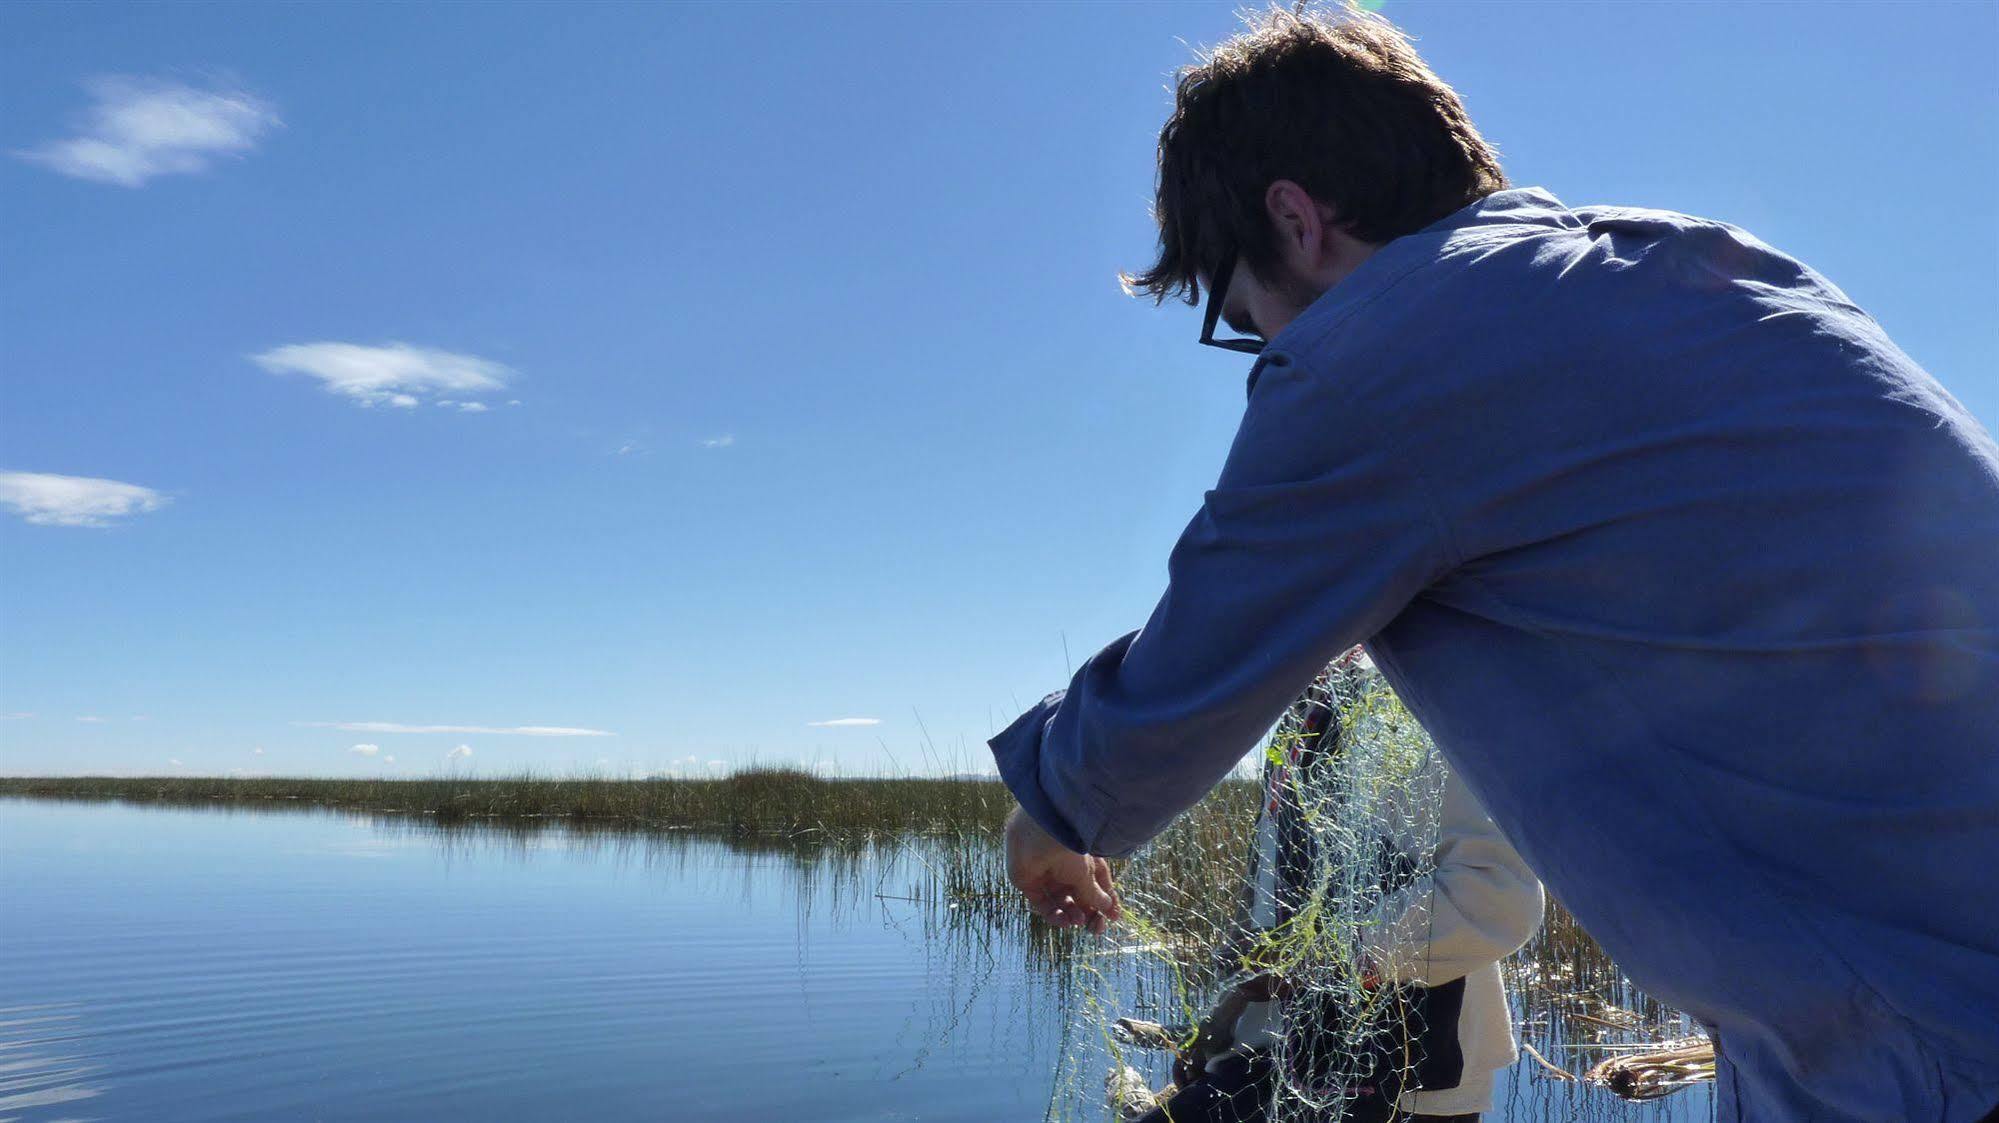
x=1217, y=292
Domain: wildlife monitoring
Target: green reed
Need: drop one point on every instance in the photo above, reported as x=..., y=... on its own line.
x=755, y=800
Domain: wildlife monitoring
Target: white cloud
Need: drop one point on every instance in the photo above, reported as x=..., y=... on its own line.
x=723, y=441
x=628, y=448
x=91, y=719
x=173, y=761
x=51, y=500
x=139, y=129
x=366, y=750
x=459, y=753
x=472, y=407
x=844, y=722
x=395, y=374
x=684, y=766
x=258, y=751
x=17, y=715
x=388, y=760
x=512, y=730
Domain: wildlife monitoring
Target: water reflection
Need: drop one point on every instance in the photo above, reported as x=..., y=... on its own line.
x=41, y=1060
x=1572, y=1006
x=225, y=963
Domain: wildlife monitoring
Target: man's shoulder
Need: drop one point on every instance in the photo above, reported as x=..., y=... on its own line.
x=1453, y=345
x=1438, y=276
x=1441, y=307
x=1533, y=281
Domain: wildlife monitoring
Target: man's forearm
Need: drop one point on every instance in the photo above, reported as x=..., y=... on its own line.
x=1313, y=539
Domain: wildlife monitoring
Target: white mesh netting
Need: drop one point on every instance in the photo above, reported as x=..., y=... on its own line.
x=1269, y=964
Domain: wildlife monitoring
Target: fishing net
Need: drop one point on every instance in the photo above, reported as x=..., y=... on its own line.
x=1270, y=959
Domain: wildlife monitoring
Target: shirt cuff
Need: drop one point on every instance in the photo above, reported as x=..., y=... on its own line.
x=1017, y=751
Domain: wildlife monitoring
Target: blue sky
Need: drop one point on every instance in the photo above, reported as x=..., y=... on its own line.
x=801, y=389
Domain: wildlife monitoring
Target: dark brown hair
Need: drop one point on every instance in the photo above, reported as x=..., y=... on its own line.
x=1337, y=101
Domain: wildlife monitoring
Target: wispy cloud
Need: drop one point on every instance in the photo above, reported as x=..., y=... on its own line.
x=46, y=499
x=724, y=441
x=844, y=722
x=174, y=761
x=366, y=750
x=462, y=752
x=691, y=765
x=258, y=751
x=393, y=374
x=18, y=715
x=388, y=760
x=140, y=128
x=509, y=730
x=91, y=719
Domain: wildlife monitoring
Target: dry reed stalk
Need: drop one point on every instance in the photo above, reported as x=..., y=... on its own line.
x=1555, y=1070
x=1647, y=1076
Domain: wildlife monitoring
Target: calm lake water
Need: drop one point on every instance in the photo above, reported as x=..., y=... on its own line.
x=171, y=964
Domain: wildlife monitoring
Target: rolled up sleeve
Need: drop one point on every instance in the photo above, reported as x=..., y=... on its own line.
x=1314, y=538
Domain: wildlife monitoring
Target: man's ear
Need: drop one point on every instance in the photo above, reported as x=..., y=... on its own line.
x=1301, y=223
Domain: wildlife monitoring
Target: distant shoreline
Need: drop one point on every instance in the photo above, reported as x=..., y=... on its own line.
x=774, y=800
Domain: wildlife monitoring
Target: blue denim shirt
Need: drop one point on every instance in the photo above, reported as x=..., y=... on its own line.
x=1691, y=572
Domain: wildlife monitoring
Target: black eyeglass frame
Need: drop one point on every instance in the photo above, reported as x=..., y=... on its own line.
x=1218, y=291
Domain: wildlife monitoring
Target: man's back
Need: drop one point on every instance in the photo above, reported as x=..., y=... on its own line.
x=1691, y=573
x=1720, y=573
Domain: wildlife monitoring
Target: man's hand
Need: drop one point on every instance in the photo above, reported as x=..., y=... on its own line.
x=1064, y=888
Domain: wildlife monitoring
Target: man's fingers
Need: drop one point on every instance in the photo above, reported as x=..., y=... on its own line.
x=1062, y=887
x=1093, y=891
x=1101, y=870
x=1055, y=905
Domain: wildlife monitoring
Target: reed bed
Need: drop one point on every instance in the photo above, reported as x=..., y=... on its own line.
x=757, y=800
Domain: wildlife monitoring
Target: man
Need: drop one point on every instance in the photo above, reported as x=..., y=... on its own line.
x=1691, y=573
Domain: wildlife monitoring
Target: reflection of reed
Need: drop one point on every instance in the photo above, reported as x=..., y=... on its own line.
x=1574, y=1000
x=1575, y=1008
x=922, y=857
x=834, y=833
x=1570, y=1000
